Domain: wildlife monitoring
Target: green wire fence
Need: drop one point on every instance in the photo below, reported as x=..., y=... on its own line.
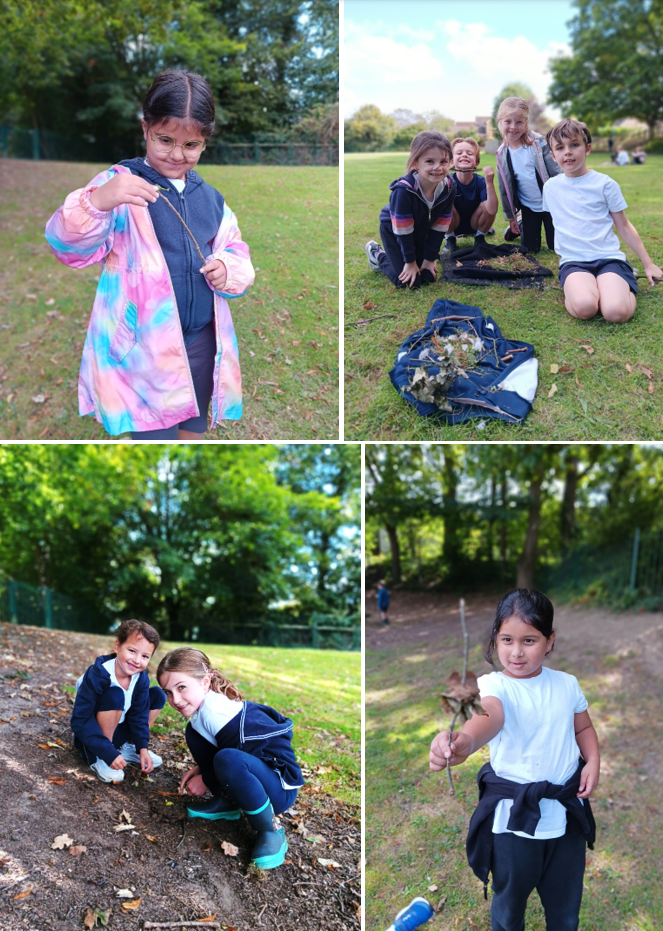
x=25, y=604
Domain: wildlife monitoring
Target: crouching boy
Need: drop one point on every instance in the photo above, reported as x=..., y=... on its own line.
x=475, y=205
x=585, y=205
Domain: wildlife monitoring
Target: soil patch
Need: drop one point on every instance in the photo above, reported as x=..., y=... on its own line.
x=173, y=867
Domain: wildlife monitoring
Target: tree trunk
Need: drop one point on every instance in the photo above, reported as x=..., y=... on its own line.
x=451, y=547
x=568, y=514
x=395, y=553
x=527, y=560
x=491, y=520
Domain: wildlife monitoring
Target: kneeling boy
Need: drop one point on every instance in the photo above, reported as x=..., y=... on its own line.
x=584, y=205
x=115, y=706
x=475, y=206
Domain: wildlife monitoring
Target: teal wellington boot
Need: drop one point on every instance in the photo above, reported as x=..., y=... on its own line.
x=214, y=809
x=270, y=847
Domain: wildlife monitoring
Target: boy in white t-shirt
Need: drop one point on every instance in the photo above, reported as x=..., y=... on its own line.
x=585, y=205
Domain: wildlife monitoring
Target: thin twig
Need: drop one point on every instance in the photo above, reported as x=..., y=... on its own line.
x=183, y=835
x=370, y=320
x=182, y=924
x=451, y=731
x=261, y=913
x=466, y=639
x=193, y=238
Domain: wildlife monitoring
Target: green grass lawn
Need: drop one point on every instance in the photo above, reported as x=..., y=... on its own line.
x=319, y=689
x=287, y=324
x=600, y=399
x=415, y=832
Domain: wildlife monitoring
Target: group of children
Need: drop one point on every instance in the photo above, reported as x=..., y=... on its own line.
x=242, y=750
x=544, y=182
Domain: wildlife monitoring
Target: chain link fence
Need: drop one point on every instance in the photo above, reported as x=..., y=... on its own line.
x=259, y=149
x=625, y=573
x=41, y=607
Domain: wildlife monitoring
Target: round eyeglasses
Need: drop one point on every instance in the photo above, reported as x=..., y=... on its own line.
x=165, y=144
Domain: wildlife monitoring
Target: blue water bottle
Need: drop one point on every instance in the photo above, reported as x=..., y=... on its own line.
x=418, y=912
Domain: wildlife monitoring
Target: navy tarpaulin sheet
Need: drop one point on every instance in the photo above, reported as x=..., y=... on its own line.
x=466, y=266
x=491, y=388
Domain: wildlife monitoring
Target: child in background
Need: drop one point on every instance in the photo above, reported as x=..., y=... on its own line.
x=524, y=164
x=585, y=204
x=115, y=706
x=242, y=751
x=160, y=341
x=533, y=818
x=420, y=209
x=622, y=157
x=475, y=206
x=383, y=602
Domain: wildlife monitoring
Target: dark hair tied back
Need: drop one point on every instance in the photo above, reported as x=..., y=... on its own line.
x=530, y=606
x=180, y=95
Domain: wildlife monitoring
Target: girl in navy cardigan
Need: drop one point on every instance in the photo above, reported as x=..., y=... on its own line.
x=242, y=751
x=420, y=210
x=115, y=706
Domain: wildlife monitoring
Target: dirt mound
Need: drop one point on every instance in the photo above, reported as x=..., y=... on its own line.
x=172, y=867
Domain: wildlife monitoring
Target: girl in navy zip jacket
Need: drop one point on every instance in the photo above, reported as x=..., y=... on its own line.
x=420, y=210
x=242, y=751
x=115, y=706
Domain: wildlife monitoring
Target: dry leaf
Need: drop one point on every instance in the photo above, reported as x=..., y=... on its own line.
x=331, y=863
x=565, y=369
x=208, y=918
x=433, y=888
x=62, y=841
x=552, y=392
x=125, y=894
x=23, y=895
x=131, y=905
x=647, y=372
x=554, y=369
x=650, y=387
x=369, y=305
x=125, y=827
x=629, y=368
x=229, y=849
x=39, y=398
x=588, y=350
x=125, y=816
x=151, y=838
x=90, y=919
x=50, y=302
x=57, y=780
x=578, y=383
x=78, y=850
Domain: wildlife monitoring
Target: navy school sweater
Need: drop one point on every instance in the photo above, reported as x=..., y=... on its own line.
x=201, y=207
x=419, y=228
x=265, y=734
x=525, y=812
x=96, y=681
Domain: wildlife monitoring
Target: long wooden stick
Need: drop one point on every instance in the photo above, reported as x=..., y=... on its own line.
x=466, y=652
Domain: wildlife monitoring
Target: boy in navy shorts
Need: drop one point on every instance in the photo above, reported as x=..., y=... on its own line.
x=584, y=205
x=475, y=205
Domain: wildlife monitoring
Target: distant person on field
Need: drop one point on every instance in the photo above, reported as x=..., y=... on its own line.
x=584, y=205
x=160, y=343
x=622, y=157
x=638, y=155
x=475, y=206
x=383, y=602
x=115, y=706
x=524, y=164
x=420, y=209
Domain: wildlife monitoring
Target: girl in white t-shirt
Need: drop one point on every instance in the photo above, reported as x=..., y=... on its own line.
x=536, y=724
x=524, y=165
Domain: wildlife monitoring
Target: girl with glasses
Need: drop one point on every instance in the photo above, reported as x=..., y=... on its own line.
x=160, y=342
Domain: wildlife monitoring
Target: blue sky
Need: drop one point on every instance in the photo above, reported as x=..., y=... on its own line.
x=448, y=56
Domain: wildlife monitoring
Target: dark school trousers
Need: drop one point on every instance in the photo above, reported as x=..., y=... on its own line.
x=531, y=235
x=555, y=868
x=113, y=700
x=239, y=776
x=391, y=260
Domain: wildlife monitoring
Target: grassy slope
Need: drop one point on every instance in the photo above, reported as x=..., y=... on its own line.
x=319, y=689
x=288, y=320
x=415, y=833
x=599, y=400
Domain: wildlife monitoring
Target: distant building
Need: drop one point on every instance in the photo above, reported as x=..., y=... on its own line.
x=481, y=126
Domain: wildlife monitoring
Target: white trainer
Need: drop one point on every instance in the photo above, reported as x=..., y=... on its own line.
x=105, y=773
x=131, y=755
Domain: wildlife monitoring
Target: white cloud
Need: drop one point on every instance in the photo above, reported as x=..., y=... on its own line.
x=456, y=68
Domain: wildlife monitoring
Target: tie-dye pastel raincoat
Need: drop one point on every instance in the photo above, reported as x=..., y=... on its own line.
x=135, y=373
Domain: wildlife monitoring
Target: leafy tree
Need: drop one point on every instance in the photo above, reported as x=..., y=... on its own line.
x=369, y=130
x=616, y=65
